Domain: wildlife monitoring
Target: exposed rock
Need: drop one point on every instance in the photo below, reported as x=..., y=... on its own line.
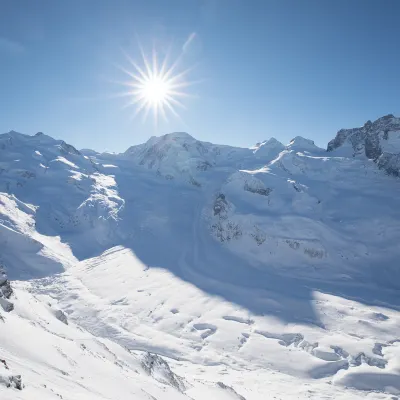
x=378, y=141
x=226, y=232
x=315, y=253
x=390, y=163
x=61, y=317
x=222, y=228
x=259, y=235
x=6, y=289
x=8, y=379
x=250, y=183
x=159, y=369
x=194, y=182
x=66, y=148
x=220, y=205
x=231, y=389
x=203, y=165
x=258, y=190
x=293, y=244
x=6, y=304
x=14, y=381
x=5, y=286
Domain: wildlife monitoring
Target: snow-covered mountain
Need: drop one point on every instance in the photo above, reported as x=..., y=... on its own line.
x=185, y=269
x=179, y=155
x=378, y=141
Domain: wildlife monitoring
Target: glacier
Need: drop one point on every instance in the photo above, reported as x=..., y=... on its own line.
x=185, y=269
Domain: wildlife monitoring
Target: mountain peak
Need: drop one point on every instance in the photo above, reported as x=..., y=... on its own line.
x=300, y=143
x=178, y=136
x=22, y=136
x=15, y=134
x=271, y=142
x=378, y=141
x=268, y=146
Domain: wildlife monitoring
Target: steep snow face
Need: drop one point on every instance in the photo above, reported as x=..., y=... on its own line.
x=24, y=252
x=378, y=141
x=69, y=192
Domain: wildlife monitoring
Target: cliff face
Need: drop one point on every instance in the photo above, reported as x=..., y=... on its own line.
x=378, y=141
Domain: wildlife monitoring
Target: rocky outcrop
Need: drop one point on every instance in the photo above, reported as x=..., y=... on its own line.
x=8, y=379
x=257, y=190
x=390, y=163
x=220, y=205
x=5, y=286
x=258, y=235
x=11, y=381
x=5, y=291
x=6, y=305
x=230, y=389
x=222, y=228
x=378, y=141
x=249, y=182
x=66, y=148
x=61, y=316
x=159, y=369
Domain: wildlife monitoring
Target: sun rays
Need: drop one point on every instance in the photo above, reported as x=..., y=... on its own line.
x=156, y=88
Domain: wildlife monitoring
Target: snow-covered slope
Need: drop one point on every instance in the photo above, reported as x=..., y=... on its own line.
x=48, y=357
x=325, y=217
x=67, y=193
x=237, y=266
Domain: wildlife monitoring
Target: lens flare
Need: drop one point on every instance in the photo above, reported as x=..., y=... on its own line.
x=154, y=87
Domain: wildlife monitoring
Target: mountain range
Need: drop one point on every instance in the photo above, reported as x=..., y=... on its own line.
x=186, y=269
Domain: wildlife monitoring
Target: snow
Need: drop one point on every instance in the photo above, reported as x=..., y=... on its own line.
x=65, y=161
x=365, y=379
x=63, y=361
x=267, y=272
x=301, y=144
x=268, y=148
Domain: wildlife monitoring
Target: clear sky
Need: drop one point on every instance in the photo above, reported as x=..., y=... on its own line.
x=263, y=68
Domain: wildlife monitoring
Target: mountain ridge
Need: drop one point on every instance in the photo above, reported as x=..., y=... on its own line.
x=378, y=141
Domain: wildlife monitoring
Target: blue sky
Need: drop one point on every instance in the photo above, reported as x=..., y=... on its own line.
x=264, y=68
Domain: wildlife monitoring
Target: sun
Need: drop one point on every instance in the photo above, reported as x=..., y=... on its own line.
x=154, y=87
x=155, y=90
